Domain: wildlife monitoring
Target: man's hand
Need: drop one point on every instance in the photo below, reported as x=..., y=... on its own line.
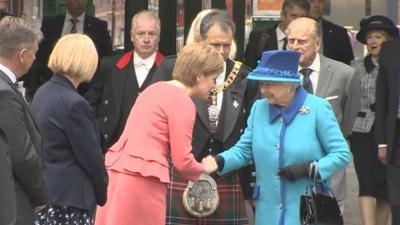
x=210, y=164
x=292, y=172
x=382, y=154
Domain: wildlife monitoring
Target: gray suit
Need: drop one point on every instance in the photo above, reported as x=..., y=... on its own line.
x=334, y=85
x=24, y=140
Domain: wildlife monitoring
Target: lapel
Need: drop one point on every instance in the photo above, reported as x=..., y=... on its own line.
x=271, y=42
x=325, y=77
x=58, y=26
x=21, y=98
x=4, y=77
x=123, y=68
x=88, y=25
x=233, y=98
x=149, y=77
x=274, y=39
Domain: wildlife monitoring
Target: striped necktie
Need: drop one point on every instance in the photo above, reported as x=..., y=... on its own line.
x=74, y=21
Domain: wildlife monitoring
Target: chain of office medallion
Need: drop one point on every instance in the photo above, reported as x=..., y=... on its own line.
x=229, y=80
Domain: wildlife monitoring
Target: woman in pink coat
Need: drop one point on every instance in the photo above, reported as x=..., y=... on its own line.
x=158, y=133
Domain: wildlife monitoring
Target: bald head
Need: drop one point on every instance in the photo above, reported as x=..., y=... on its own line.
x=304, y=36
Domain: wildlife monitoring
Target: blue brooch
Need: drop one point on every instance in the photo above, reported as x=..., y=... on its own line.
x=304, y=109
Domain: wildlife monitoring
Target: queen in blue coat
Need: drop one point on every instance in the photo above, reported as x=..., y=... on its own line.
x=287, y=132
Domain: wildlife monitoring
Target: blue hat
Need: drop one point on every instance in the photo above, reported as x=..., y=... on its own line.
x=277, y=66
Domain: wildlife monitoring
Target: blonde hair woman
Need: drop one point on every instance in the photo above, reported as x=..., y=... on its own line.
x=75, y=174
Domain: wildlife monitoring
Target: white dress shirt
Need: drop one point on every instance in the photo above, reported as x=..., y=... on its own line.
x=68, y=25
x=316, y=67
x=220, y=81
x=143, y=66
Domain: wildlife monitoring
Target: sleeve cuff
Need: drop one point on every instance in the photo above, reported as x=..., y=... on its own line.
x=220, y=162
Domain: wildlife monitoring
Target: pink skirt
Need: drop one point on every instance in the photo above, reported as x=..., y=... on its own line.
x=133, y=200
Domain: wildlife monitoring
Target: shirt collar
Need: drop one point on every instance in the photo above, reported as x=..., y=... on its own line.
x=315, y=65
x=9, y=73
x=291, y=111
x=147, y=62
x=69, y=16
x=280, y=35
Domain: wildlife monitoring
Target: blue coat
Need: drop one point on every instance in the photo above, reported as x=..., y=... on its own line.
x=73, y=158
x=306, y=131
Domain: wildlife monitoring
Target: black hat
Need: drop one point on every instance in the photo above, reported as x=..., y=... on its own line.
x=376, y=23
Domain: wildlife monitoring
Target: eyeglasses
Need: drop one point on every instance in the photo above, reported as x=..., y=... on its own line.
x=150, y=35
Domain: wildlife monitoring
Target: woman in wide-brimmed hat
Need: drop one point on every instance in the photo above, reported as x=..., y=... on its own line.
x=287, y=132
x=371, y=173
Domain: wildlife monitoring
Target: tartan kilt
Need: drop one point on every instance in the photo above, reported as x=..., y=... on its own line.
x=231, y=209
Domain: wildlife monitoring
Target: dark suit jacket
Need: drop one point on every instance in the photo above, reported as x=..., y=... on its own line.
x=253, y=50
x=74, y=160
x=241, y=91
x=8, y=202
x=387, y=101
x=24, y=140
x=387, y=95
x=336, y=42
x=52, y=29
x=114, y=91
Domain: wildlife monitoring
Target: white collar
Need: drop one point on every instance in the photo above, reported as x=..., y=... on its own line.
x=280, y=35
x=315, y=65
x=9, y=73
x=147, y=62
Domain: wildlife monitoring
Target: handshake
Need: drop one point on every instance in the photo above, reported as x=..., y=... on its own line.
x=210, y=164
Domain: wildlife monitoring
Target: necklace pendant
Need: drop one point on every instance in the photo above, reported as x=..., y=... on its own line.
x=213, y=113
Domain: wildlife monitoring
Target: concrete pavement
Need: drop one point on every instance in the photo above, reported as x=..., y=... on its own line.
x=352, y=211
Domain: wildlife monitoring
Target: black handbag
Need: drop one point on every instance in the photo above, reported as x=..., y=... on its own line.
x=318, y=206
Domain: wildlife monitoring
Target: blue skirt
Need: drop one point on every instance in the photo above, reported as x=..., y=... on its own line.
x=55, y=215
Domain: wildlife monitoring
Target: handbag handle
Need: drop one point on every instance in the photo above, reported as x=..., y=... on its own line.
x=325, y=189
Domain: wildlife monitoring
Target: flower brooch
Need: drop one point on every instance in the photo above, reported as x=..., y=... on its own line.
x=304, y=109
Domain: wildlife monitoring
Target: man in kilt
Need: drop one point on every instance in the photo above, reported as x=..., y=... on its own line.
x=219, y=124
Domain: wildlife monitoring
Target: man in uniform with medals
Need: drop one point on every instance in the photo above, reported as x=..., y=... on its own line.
x=219, y=124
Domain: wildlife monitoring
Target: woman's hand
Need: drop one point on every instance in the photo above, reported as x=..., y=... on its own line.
x=294, y=171
x=210, y=164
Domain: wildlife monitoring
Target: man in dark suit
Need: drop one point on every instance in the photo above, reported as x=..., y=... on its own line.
x=387, y=120
x=8, y=204
x=219, y=124
x=122, y=77
x=335, y=42
x=326, y=78
x=274, y=38
x=75, y=20
x=17, y=53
